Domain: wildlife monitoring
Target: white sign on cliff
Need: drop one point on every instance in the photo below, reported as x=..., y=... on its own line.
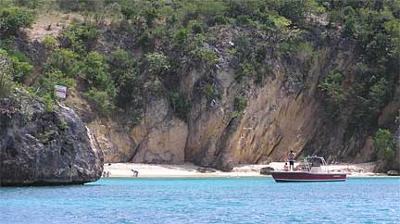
x=60, y=91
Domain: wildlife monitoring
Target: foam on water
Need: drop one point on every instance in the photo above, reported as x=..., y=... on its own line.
x=214, y=200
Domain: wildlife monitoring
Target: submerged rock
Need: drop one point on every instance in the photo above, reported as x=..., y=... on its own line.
x=42, y=147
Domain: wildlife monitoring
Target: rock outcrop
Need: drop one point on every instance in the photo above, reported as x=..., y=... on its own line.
x=39, y=147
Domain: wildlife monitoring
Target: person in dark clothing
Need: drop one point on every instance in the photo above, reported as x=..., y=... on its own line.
x=291, y=157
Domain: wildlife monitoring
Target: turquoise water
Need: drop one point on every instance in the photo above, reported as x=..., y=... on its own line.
x=217, y=200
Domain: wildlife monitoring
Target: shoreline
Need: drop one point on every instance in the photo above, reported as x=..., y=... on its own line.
x=188, y=170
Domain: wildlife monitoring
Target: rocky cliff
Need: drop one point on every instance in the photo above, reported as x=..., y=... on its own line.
x=287, y=112
x=41, y=147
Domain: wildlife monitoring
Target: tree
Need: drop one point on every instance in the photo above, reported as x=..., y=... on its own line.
x=384, y=145
x=378, y=94
x=332, y=86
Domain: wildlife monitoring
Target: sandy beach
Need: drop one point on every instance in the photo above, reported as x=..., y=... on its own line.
x=190, y=170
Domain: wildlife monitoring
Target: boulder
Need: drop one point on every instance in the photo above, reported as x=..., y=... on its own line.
x=393, y=173
x=266, y=170
x=44, y=146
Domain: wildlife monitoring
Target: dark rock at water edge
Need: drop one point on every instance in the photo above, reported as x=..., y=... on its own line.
x=266, y=170
x=40, y=147
x=393, y=173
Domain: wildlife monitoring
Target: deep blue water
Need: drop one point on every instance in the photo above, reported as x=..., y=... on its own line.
x=214, y=200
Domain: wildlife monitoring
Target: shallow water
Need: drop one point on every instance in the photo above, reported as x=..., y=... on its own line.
x=214, y=200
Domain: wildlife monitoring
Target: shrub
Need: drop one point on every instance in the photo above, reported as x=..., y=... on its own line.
x=196, y=26
x=123, y=67
x=20, y=66
x=80, y=37
x=20, y=69
x=181, y=36
x=66, y=61
x=332, y=86
x=384, y=145
x=276, y=22
x=50, y=42
x=297, y=11
x=124, y=71
x=101, y=100
x=14, y=18
x=206, y=56
x=179, y=104
x=157, y=62
x=48, y=100
x=240, y=104
x=393, y=28
x=128, y=90
x=378, y=94
x=245, y=70
x=95, y=71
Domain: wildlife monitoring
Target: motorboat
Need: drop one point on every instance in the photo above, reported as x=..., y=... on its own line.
x=313, y=169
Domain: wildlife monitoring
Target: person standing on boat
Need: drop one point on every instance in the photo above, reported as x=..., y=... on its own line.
x=291, y=160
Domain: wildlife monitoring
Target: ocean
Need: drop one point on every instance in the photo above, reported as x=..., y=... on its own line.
x=205, y=200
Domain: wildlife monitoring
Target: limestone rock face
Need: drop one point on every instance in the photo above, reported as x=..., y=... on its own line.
x=160, y=137
x=286, y=111
x=164, y=143
x=38, y=147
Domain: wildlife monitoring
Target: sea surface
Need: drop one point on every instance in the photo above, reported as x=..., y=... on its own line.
x=211, y=200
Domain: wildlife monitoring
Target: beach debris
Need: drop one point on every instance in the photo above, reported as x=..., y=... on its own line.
x=205, y=170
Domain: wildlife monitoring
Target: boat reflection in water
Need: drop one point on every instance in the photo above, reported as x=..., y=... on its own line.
x=313, y=169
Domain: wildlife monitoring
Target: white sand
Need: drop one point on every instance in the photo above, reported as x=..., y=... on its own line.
x=190, y=170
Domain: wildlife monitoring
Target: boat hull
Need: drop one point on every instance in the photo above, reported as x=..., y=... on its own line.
x=294, y=176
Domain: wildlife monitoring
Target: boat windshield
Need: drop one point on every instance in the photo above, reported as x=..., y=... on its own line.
x=315, y=163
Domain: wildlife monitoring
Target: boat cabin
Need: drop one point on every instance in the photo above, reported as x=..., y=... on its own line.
x=315, y=164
